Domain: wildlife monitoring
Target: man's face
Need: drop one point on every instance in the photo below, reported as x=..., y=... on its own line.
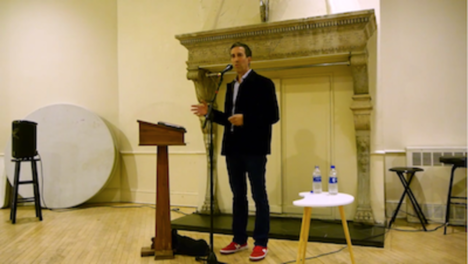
x=239, y=60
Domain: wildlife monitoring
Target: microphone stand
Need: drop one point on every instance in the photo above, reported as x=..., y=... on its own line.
x=211, y=259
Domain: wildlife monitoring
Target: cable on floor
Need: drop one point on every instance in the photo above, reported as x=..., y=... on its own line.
x=336, y=251
x=419, y=230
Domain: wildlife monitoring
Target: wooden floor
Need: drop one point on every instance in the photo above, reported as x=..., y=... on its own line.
x=115, y=233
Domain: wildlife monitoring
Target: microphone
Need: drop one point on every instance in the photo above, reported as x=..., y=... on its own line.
x=228, y=68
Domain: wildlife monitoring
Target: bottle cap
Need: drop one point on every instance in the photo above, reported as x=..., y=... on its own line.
x=332, y=166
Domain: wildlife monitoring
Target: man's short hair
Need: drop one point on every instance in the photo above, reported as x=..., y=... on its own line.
x=248, y=52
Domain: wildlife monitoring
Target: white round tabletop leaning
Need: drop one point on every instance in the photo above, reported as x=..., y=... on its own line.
x=323, y=199
x=3, y=185
x=77, y=153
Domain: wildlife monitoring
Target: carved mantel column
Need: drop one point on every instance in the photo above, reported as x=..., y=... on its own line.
x=362, y=108
x=205, y=88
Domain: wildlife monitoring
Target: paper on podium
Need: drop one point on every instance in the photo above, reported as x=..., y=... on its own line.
x=172, y=125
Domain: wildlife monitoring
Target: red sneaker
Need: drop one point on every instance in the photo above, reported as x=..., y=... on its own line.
x=233, y=248
x=258, y=253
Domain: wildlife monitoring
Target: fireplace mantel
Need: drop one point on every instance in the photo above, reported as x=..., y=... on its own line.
x=321, y=39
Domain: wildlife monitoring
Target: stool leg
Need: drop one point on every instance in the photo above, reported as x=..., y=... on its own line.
x=14, y=202
x=304, y=236
x=447, y=210
x=37, y=195
x=417, y=209
x=414, y=202
x=12, y=194
x=346, y=231
x=397, y=209
x=399, y=203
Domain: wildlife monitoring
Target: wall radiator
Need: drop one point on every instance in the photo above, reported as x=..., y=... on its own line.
x=430, y=186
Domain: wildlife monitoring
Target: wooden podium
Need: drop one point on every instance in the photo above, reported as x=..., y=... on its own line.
x=161, y=135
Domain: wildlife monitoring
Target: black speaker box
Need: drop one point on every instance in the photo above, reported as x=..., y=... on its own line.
x=23, y=139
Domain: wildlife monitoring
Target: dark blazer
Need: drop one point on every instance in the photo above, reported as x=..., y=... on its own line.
x=256, y=100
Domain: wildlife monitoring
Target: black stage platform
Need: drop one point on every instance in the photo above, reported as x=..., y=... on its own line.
x=326, y=231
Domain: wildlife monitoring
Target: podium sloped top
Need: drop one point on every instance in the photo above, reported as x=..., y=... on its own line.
x=160, y=134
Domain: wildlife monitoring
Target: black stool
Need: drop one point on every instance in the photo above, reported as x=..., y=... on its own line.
x=410, y=171
x=457, y=162
x=14, y=195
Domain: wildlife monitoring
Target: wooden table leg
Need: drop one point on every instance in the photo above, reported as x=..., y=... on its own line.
x=304, y=235
x=346, y=231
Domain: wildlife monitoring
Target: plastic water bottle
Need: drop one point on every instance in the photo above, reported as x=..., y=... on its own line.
x=317, y=180
x=332, y=181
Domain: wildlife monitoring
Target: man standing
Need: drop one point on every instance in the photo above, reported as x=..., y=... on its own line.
x=250, y=110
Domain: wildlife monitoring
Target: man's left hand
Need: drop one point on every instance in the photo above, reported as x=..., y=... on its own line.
x=237, y=119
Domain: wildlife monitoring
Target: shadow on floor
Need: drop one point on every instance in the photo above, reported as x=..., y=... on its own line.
x=325, y=231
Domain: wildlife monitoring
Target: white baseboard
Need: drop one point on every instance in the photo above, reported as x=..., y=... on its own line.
x=187, y=199
x=432, y=212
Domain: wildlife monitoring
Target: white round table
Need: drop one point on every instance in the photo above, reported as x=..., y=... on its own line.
x=323, y=199
x=77, y=153
x=3, y=185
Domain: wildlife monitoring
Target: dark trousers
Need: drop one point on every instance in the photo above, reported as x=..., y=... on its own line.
x=239, y=167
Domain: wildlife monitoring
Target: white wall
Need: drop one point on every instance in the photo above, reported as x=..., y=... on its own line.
x=57, y=52
x=423, y=66
x=422, y=86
